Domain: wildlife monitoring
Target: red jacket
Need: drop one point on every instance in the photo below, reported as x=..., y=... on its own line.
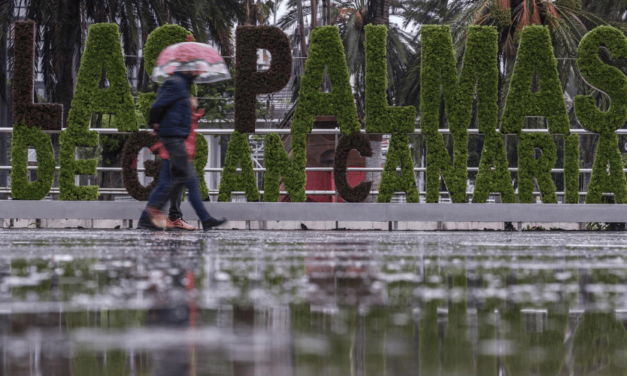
x=190, y=141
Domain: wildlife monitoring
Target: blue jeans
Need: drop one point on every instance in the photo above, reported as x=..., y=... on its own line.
x=175, y=203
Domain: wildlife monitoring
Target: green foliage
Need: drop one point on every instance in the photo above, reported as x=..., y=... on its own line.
x=200, y=161
x=278, y=163
x=249, y=82
x=398, y=153
x=23, y=136
x=132, y=147
x=499, y=180
x=159, y=39
x=571, y=169
x=238, y=152
x=601, y=182
x=144, y=102
x=535, y=54
x=381, y=118
x=325, y=51
x=103, y=50
x=599, y=343
x=603, y=77
x=439, y=74
x=530, y=167
x=69, y=139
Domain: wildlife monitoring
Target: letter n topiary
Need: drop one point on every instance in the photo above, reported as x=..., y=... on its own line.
x=238, y=152
x=249, y=82
x=325, y=51
x=535, y=54
x=613, y=82
x=381, y=118
x=438, y=75
x=102, y=50
x=529, y=166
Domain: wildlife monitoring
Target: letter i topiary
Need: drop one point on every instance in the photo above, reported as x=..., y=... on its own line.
x=200, y=161
x=613, y=82
x=493, y=175
x=102, y=49
x=23, y=136
x=439, y=75
x=238, y=152
x=381, y=118
x=529, y=166
x=535, y=54
x=571, y=169
x=325, y=51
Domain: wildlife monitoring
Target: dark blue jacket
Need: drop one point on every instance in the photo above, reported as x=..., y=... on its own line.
x=172, y=109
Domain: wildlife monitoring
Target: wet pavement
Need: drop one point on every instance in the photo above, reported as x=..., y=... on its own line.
x=84, y=302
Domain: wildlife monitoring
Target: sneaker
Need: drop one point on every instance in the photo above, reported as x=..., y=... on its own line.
x=212, y=222
x=157, y=218
x=146, y=224
x=178, y=225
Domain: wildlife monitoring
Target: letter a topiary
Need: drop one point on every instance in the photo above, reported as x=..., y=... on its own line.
x=535, y=54
x=493, y=175
x=528, y=167
x=102, y=50
x=21, y=189
x=381, y=118
x=238, y=152
x=438, y=74
x=613, y=82
x=325, y=50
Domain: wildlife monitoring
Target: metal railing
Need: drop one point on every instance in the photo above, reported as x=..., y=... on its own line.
x=335, y=131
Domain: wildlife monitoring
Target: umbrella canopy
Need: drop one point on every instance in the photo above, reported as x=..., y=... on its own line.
x=191, y=56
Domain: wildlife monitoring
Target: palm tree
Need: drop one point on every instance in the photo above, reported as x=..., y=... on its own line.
x=62, y=30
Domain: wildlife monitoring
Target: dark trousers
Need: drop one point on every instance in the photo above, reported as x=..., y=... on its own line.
x=193, y=192
x=179, y=173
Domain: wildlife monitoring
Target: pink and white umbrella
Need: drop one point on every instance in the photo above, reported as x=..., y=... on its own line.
x=191, y=56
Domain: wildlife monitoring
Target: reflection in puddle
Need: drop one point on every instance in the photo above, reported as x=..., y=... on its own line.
x=307, y=303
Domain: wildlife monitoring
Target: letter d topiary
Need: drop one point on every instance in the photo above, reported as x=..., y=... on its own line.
x=21, y=189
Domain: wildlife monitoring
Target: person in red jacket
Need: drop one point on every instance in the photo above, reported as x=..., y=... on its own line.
x=175, y=221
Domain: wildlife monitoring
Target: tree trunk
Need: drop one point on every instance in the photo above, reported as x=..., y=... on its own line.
x=314, y=14
x=301, y=26
x=380, y=12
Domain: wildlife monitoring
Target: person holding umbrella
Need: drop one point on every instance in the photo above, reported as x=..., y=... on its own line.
x=179, y=66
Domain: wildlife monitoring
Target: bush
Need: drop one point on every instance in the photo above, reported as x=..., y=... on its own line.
x=529, y=166
x=278, y=163
x=200, y=161
x=439, y=74
x=238, y=152
x=43, y=116
x=21, y=188
x=398, y=154
x=360, y=143
x=535, y=54
x=249, y=82
x=607, y=153
x=159, y=39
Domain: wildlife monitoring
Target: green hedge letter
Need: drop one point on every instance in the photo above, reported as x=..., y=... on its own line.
x=439, y=74
x=535, y=55
x=238, y=152
x=614, y=83
x=381, y=118
x=529, y=166
x=325, y=51
x=102, y=50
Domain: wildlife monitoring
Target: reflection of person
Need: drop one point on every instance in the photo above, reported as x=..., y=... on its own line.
x=175, y=218
x=171, y=117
